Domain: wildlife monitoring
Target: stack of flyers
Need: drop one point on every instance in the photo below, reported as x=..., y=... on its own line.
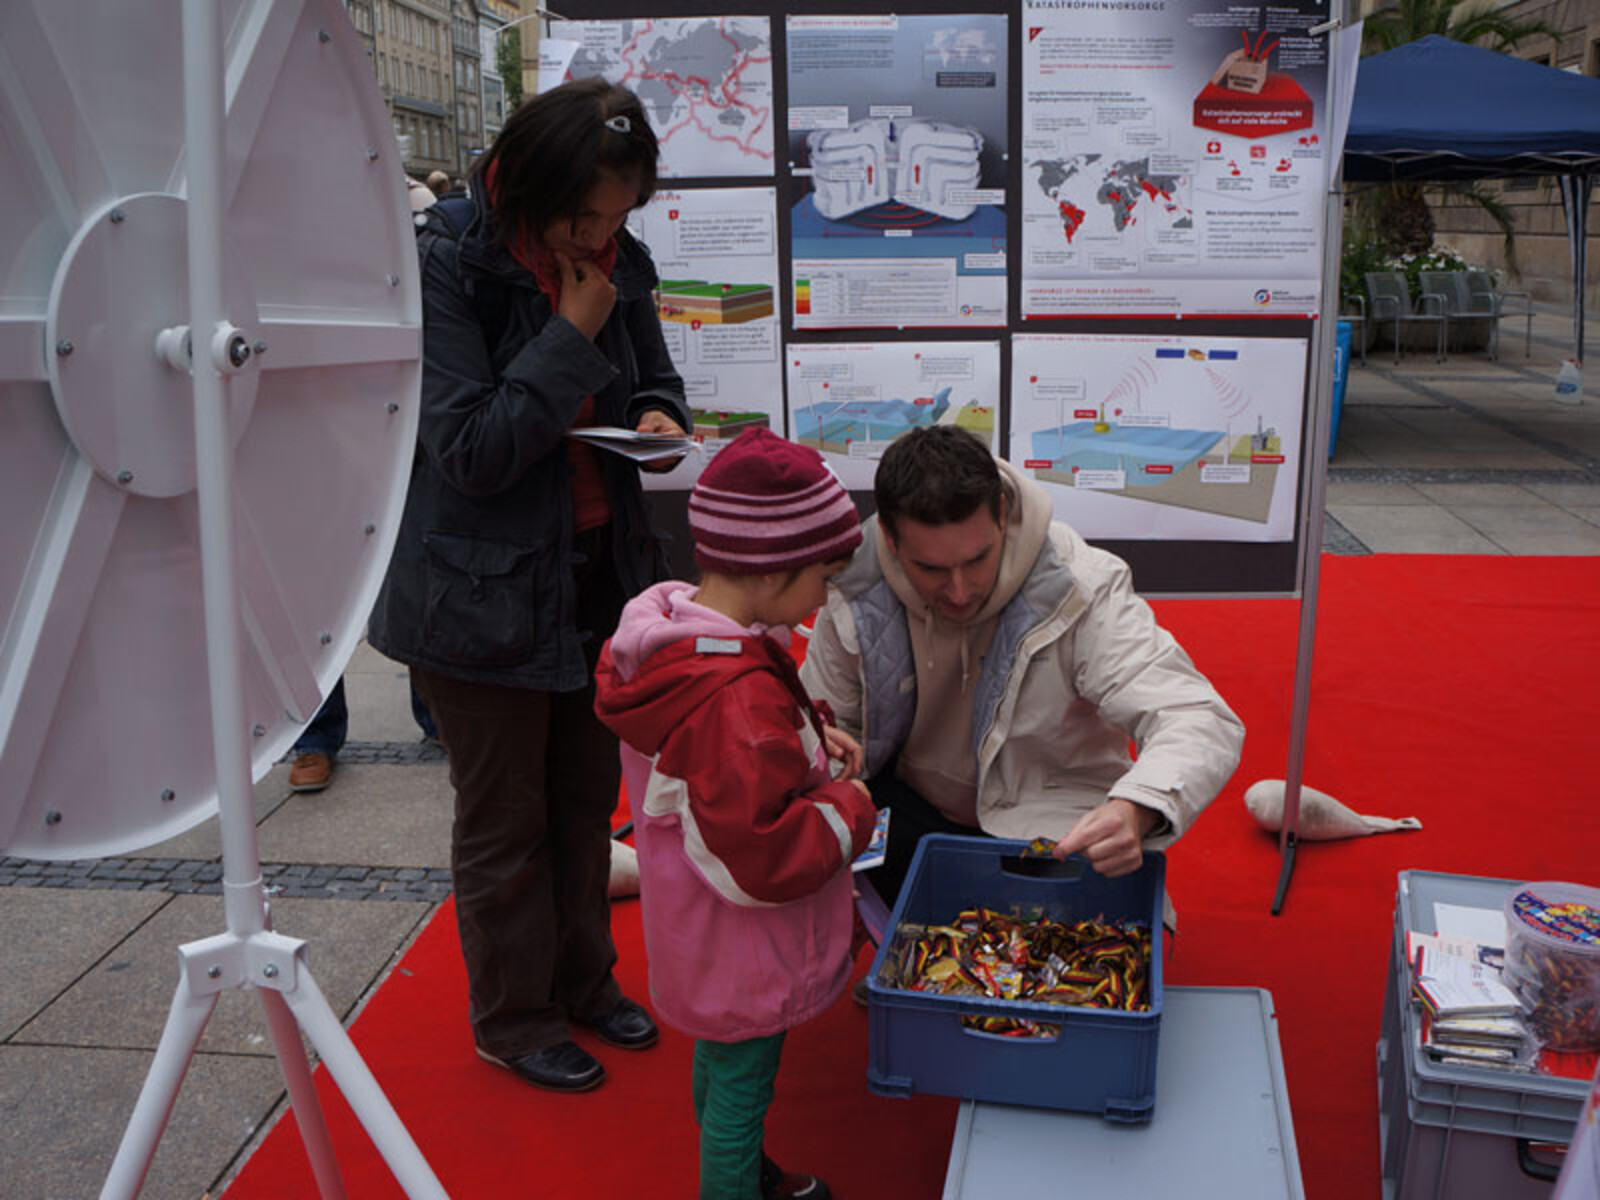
x=1501, y=1042
x=1448, y=986
x=1469, y=1017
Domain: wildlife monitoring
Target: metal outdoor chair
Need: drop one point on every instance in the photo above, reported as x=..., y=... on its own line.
x=1357, y=319
x=1390, y=297
x=1455, y=301
x=1488, y=301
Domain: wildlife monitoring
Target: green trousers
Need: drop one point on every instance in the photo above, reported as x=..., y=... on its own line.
x=732, y=1089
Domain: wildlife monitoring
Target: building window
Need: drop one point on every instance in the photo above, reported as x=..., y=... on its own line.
x=411, y=80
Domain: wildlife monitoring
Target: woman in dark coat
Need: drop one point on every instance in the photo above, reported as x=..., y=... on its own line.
x=518, y=548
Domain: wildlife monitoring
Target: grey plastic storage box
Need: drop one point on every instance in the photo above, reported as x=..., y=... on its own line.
x=1223, y=1128
x=1459, y=1133
x=1102, y=1061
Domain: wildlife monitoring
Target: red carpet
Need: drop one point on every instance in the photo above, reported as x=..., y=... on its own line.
x=1462, y=691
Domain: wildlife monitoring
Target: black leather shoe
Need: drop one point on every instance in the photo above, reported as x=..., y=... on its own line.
x=564, y=1067
x=627, y=1026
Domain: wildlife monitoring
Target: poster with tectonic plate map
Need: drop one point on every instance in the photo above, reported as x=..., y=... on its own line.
x=716, y=252
x=705, y=83
x=1171, y=438
x=852, y=401
x=897, y=138
x=1173, y=157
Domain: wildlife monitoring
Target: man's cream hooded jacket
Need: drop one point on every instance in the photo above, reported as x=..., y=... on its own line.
x=1020, y=720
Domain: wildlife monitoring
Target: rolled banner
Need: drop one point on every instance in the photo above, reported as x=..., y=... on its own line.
x=1322, y=818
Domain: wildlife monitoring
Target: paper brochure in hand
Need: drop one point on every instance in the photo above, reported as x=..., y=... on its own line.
x=641, y=447
x=872, y=856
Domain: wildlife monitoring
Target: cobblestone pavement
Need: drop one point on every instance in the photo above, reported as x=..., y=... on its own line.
x=321, y=881
x=203, y=877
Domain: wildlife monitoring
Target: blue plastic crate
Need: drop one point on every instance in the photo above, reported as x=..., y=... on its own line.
x=1102, y=1061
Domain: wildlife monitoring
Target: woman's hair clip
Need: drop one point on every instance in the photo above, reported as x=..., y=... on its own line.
x=619, y=124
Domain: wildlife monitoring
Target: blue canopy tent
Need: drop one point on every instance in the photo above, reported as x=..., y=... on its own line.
x=1437, y=109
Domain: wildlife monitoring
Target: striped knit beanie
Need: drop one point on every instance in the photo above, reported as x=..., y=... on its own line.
x=767, y=505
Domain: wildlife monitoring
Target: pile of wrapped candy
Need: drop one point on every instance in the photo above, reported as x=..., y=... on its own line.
x=999, y=956
x=1553, y=962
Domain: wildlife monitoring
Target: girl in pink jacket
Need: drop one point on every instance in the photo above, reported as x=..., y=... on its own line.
x=744, y=838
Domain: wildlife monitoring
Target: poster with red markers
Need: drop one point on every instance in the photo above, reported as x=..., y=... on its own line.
x=1173, y=158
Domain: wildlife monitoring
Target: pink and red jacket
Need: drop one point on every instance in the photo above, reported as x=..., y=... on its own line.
x=744, y=840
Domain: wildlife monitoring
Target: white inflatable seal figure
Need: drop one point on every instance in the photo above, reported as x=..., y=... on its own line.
x=1322, y=818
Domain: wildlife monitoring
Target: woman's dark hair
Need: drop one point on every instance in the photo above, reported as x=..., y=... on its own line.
x=935, y=476
x=553, y=147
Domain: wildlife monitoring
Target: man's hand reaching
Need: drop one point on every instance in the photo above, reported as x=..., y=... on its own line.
x=1111, y=837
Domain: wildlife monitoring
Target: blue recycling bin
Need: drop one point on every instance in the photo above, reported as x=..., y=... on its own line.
x=1341, y=368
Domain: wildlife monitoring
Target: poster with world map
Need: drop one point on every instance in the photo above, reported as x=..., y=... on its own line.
x=705, y=83
x=1173, y=158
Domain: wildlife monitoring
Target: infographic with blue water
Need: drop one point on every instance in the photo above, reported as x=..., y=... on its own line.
x=716, y=253
x=704, y=82
x=898, y=141
x=852, y=401
x=1173, y=438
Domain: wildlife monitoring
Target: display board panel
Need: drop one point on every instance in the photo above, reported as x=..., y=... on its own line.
x=1172, y=158
x=704, y=82
x=898, y=135
x=716, y=250
x=1161, y=437
x=1180, y=550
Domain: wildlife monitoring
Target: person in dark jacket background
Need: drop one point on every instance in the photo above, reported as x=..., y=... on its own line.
x=518, y=548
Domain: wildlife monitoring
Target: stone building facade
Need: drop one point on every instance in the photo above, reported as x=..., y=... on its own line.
x=1543, y=256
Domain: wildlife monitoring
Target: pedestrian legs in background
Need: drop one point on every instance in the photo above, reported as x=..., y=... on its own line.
x=423, y=718
x=319, y=743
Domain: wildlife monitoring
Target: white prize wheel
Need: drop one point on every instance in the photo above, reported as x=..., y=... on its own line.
x=105, y=712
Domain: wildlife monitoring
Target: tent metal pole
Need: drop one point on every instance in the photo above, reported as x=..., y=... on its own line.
x=1575, y=193
x=1316, y=486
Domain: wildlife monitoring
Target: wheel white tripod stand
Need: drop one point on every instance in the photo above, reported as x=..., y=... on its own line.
x=190, y=340
x=249, y=954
